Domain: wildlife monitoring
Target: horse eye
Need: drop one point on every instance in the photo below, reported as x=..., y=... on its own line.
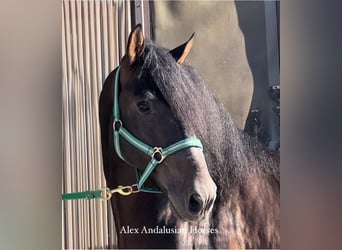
x=143, y=106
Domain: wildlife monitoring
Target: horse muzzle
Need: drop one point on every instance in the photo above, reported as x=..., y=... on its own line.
x=194, y=193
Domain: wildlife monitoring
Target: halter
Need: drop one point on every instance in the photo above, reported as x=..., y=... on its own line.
x=157, y=154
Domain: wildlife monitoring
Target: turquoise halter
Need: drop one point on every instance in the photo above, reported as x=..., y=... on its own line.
x=157, y=154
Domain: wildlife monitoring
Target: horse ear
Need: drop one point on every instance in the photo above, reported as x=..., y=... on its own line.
x=181, y=52
x=135, y=46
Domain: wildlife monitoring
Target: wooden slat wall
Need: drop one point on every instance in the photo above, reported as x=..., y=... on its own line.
x=94, y=34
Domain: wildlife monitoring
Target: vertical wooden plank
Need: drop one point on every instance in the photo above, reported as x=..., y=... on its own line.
x=77, y=124
x=84, y=209
x=88, y=84
x=122, y=26
x=105, y=71
x=147, y=20
x=67, y=211
x=105, y=65
x=124, y=22
x=112, y=55
x=97, y=69
x=93, y=81
x=112, y=16
x=73, y=221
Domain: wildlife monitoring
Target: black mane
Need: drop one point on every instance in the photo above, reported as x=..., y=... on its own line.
x=230, y=155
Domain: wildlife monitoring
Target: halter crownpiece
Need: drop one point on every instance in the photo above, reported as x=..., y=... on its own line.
x=157, y=154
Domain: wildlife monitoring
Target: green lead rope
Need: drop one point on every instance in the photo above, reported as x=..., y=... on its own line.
x=103, y=193
x=97, y=194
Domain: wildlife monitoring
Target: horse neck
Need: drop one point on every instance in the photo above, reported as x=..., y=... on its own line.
x=247, y=209
x=229, y=155
x=237, y=151
x=248, y=213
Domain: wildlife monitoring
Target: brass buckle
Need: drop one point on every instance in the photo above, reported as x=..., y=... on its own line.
x=158, y=150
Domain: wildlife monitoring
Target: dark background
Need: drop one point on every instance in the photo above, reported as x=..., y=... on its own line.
x=30, y=135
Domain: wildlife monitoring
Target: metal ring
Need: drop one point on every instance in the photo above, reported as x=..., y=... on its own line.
x=105, y=194
x=135, y=189
x=158, y=150
x=115, y=127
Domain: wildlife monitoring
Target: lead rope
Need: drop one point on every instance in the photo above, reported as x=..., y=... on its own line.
x=103, y=193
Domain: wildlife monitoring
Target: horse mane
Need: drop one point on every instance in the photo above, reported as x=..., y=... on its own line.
x=231, y=156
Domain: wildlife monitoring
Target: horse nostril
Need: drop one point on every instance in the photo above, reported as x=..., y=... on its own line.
x=210, y=204
x=195, y=204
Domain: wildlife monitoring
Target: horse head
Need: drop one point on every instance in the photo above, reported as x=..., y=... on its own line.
x=145, y=112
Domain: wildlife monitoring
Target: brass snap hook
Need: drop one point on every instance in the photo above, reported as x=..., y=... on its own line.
x=123, y=190
x=106, y=193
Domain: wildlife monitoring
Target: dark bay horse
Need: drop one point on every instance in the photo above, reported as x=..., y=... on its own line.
x=221, y=192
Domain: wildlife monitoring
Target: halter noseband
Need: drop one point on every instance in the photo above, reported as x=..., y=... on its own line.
x=157, y=154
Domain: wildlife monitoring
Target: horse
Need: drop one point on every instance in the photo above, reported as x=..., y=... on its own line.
x=221, y=190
